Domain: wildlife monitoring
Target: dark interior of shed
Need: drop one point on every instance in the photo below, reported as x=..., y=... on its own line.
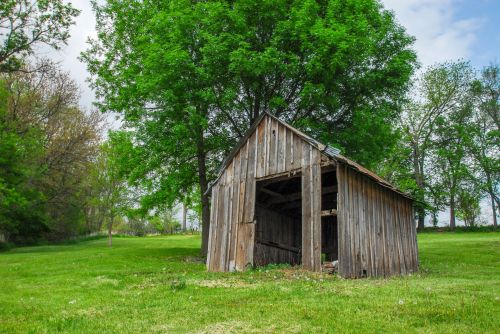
x=329, y=232
x=278, y=213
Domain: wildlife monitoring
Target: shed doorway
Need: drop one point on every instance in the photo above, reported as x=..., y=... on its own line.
x=278, y=215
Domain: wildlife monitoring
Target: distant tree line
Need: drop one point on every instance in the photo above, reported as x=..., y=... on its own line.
x=448, y=154
x=59, y=177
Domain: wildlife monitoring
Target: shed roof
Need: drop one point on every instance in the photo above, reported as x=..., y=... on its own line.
x=329, y=151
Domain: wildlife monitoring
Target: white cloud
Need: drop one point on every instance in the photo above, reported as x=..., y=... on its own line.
x=68, y=55
x=439, y=35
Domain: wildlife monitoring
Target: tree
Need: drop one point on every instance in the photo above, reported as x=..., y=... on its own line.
x=433, y=127
x=22, y=214
x=112, y=198
x=190, y=77
x=468, y=208
x=483, y=144
x=25, y=24
x=45, y=102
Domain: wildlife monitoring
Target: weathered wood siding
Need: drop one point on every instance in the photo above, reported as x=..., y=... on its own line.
x=311, y=208
x=377, y=235
x=271, y=149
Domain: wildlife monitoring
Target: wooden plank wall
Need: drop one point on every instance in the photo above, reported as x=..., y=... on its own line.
x=377, y=234
x=271, y=149
x=311, y=208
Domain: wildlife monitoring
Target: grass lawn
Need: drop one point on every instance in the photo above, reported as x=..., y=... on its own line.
x=158, y=285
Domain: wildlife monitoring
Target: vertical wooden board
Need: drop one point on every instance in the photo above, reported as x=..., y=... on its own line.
x=297, y=152
x=390, y=225
x=372, y=229
x=240, y=241
x=207, y=264
x=367, y=230
x=340, y=217
x=273, y=139
x=224, y=228
x=250, y=186
x=388, y=233
x=362, y=226
x=377, y=257
x=280, y=164
x=245, y=246
x=246, y=228
x=213, y=227
x=240, y=234
x=346, y=259
x=229, y=215
x=397, y=238
x=353, y=232
x=243, y=178
x=341, y=220
x=234, y=211
x=379, y=250
x=288, y=150
x=268, y=144
x=383, y=228
x=261, y=148
x=220, y=221
x=316, y=208
x=306, y=208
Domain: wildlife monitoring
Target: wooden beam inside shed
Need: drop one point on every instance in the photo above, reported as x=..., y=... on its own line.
x=296, y=196
x=327, y=213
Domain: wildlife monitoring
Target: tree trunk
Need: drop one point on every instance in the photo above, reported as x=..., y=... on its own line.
x=493, y=208
x=184, y=214
x=421, y=218
x=452, y=211
x=205, y=202
x=110, y=230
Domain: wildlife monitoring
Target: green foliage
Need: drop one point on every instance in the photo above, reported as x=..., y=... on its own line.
x=88, y=288
x=27, y=23
x=448, y=147
x=190, y=77
x=468, y=209
x=21, y=204
x=47, y=145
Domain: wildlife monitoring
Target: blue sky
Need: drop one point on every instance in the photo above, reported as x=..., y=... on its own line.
x=445, y=30
x=487, y=45
x=452, y=29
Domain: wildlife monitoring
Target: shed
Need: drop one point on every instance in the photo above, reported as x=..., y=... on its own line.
x=283, y=197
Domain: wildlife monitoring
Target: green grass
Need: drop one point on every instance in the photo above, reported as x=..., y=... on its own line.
x=157, y=285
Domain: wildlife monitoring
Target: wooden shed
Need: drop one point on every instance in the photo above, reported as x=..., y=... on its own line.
x=283, y=197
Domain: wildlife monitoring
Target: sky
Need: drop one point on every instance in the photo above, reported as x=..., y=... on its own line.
x=444, y=30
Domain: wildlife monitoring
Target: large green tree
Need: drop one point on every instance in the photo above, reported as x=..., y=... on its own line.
x=190, y=77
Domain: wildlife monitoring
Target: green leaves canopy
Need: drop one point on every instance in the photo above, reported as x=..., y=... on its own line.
x=181, y=71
